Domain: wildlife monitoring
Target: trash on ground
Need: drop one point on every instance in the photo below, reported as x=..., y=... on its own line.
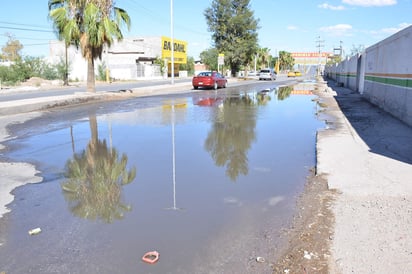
x=151, y=257
x=307, y=255
x=34, y=231
x=260, y=259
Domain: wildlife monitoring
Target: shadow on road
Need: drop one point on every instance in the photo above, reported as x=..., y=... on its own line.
x=383, y=133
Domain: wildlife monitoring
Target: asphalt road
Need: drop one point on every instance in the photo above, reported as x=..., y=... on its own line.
x=21, y=93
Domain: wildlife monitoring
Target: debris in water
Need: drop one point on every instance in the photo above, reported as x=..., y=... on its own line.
x=151, y=257
x=260, y=259
x=34, y=231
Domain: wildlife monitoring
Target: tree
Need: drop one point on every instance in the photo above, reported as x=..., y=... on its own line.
x=286, y=60
x=234, y=31
x=209, y=58
x=264, y=57
x=90, y=25
x=335, y=59
x=11, y=51
x=189, y=66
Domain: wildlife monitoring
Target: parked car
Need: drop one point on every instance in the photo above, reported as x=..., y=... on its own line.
x=291, y=74
x=267, y=74
x=209, y=79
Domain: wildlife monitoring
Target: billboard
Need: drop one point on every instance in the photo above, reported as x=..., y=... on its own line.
x=179, y=49
x=310, y=58
x=310, y=54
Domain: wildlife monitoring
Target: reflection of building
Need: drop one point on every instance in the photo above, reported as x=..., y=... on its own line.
x=130, y=59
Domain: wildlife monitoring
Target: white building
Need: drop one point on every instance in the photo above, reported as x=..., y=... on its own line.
x=130, y=59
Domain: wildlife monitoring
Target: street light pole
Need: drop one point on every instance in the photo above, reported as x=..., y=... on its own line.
x=172, y=42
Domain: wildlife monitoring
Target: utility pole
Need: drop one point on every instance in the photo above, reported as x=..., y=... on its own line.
x=172, y=44
x=319, y=45
x=340, y=50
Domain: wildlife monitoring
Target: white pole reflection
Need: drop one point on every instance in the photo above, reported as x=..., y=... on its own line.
x=174, y=207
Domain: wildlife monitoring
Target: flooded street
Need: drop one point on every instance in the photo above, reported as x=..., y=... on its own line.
x=208, y=179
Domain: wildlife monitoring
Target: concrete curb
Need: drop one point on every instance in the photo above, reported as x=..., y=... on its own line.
x=36, y=104
x=49, y=102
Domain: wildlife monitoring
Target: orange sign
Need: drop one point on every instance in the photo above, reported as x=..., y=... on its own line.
x=309, y=54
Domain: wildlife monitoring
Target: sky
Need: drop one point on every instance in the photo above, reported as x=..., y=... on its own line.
x=293, y=26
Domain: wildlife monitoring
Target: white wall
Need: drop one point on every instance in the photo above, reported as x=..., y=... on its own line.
x=388, y=74
x=120, y=58
x=383, y=74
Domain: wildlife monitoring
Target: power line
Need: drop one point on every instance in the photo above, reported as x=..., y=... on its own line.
x=26, y=38
x=35, y=30
x=20, y=24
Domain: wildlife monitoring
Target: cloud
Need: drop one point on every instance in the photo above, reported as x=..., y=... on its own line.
x=330, y=7
x=337, y=30
x=391, y=30
x=370, y=3
x=292, y=27
x=273, y=201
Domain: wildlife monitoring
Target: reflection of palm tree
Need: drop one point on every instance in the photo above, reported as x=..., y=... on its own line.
x=284, y=92
x=232, y=135
x=95, y=178
x=262, y=98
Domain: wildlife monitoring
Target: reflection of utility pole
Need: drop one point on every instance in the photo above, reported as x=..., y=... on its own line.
x=72, y=137
x=319, y=45
x=174, y=160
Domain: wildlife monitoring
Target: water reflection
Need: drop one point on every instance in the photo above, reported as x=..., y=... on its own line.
x=95, y=178
x=232, y=134
x=169, y=107
x=263, y=97
x=284, y=92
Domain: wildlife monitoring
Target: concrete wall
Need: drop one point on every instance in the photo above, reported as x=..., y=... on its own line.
x=382, y=74
x=345, y=73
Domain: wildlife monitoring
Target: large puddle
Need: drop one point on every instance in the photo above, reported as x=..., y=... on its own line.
x=209, y=180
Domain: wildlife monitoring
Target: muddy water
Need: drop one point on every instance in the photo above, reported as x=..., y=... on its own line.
x=208, y=180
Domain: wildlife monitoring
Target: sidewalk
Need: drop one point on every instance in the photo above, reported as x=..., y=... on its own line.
x=43, y=103
x=368, y=160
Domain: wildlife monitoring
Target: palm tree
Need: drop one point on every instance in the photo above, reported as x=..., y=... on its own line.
x=264, y=57
x=90, y=25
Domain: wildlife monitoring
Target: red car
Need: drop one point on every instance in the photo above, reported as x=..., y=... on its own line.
x=209, y=79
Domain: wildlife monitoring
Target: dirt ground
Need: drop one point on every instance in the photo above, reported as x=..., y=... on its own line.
x=310, y=235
